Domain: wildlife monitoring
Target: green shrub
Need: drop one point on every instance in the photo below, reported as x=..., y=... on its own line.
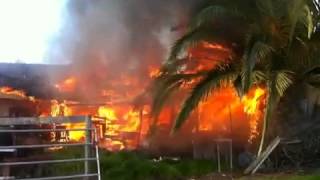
x=134, y=166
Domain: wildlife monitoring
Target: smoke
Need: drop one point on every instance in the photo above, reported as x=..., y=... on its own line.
x=108, y=41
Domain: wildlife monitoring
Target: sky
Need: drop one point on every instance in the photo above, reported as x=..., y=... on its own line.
x=27, y=27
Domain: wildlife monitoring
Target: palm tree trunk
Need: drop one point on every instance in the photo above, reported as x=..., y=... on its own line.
x=263, y=133
x=267, y=113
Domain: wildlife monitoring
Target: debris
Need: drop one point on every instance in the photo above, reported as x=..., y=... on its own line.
x=255, y=165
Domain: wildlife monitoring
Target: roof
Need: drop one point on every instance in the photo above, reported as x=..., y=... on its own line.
x=35, y=79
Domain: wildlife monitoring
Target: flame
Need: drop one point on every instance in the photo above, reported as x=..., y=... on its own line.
x=132, y=119
x=112, y=127
x=124, y=126
x=61, y=109
x=154, y=72
x=16, y=93
x=224, y=109
x=11, y=91
x=251, y=104
x=107, y=113
x=68, y=85
x=75, y=135
x=214, y=46
x=114, y=145
x=119, y=120
x=251, y=107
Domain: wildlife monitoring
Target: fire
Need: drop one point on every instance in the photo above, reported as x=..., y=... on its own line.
x=15, y=93
x=216, y=115
x=113, y=145
x=133, y=121
x=110, y=117
x=223, y=112
x=68, y=85
x=61, y=109
x=251, y=104
x=154, y=72
x=107, y=113
x=214, y=46
x=119, y=121
x=251, y=107
x=125, y=127
x=75, y=135
x=11, y=91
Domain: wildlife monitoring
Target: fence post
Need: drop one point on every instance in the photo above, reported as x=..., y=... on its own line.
x=97, y=153
x=231, y=155
x=88, y=140
x=218, y=157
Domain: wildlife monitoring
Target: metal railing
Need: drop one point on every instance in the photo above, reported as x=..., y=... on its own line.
x=90, y=143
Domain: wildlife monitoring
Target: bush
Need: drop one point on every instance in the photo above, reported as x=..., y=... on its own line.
x=134, y=166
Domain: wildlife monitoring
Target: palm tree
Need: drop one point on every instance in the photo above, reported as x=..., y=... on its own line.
x=272, y=42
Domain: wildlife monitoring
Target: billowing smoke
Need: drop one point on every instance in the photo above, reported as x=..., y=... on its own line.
x=109, y=42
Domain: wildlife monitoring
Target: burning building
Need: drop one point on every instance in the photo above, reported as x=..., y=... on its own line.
x=124, y=126
x=23, y=95
x=113, y=51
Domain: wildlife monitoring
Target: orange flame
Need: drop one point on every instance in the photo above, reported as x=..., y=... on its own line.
x=15, y=93
x=214, y=46
x=61, y=109
x=224, y=109
x=251, y=107
x=68, y=85
x=132, y=119
x=107, y=113
x=154, y=72
x=75, y=135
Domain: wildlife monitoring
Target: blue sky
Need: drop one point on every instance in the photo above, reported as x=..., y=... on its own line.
x=27, y=27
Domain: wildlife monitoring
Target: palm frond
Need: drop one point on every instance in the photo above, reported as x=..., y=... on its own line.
x=312, y=76
x=237, y=83
x=299, y=54
x=165, y=85
x=211, y=13
x=202, y=90
x=283, y=80
x=314, y=81
x=294, y=15
x=258, y=52
x=308, y=21
x=259, y=77
x=161, y=96
x=312, y=57
x=299, y=12
x=266, y=7
x=192, y=39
